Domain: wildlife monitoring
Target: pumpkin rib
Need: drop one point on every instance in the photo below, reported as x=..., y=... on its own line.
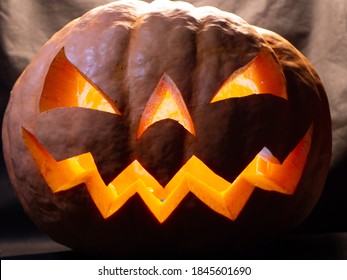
x=299, y=70
x=186, y=80
x=124, y=82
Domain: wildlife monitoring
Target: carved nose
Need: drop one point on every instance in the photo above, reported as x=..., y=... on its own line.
x=166, y=102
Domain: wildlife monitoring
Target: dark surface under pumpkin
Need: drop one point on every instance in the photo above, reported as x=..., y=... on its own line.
x=135, y=226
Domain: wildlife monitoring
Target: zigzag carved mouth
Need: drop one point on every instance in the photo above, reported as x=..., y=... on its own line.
x=226, y=198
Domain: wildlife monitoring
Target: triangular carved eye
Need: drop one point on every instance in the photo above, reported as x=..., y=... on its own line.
x=166, y=102
x=262, y=75
x=66, y=86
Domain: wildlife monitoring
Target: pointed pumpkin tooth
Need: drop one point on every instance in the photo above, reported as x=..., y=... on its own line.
x=266, y=155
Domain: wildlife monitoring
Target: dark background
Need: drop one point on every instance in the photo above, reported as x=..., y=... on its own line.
x=318, y=28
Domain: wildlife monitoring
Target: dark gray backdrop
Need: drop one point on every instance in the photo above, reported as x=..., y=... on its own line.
x=318, y=28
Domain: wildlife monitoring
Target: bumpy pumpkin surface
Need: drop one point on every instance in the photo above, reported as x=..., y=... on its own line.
x=146, y=126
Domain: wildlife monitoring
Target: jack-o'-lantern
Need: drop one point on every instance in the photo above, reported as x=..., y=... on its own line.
x=141, y=125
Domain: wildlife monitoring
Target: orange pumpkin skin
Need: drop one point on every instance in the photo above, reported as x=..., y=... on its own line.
x=124, y=49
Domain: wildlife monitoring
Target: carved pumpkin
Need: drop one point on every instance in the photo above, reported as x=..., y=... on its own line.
x=147, y=126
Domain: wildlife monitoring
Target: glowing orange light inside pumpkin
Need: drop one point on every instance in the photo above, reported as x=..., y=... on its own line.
x=76, y=91
x=166, y=102
x=255, y=78
x=226, y=198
